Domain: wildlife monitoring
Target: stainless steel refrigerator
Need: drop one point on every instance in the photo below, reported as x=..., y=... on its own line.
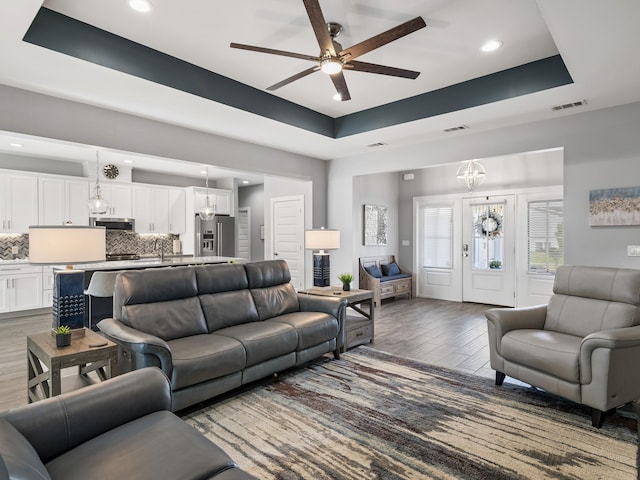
x=215, y=237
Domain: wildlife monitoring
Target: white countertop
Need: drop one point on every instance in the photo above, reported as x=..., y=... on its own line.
x=144, y=262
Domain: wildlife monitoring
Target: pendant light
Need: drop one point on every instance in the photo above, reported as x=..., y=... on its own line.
x=208, y=210
x=97, y=204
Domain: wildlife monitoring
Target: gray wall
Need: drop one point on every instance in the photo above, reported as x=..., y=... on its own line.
x=49, y=117
x=253, y=197
x=601, y=149
x=40, y=165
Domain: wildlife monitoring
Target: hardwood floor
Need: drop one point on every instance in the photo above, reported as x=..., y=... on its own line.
x=448, y=334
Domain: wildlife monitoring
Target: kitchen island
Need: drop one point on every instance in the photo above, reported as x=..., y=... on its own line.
x=103, y=307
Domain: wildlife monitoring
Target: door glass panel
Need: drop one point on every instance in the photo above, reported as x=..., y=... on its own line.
x=488, y=236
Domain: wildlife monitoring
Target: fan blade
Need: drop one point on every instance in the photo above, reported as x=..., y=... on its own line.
x=341, y=86
x=319, y=25
x=274, y=52
x=382, y=39
x=381, y=69
x=293, y=78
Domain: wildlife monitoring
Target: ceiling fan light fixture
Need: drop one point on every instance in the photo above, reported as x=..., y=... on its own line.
x=330, y=65
x=337, y=97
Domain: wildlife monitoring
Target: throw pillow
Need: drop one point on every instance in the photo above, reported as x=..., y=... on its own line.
x=390, y=269
x=374, y=271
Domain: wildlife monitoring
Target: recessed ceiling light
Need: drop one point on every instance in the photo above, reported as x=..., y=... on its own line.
x=337, y=97
x=128, y=161
x=204, y=172
x=491, y=45
x=17, y=145
x=140, y=5
x=245, y=181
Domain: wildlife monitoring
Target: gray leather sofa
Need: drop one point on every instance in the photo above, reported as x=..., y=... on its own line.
x=216, y=327
x=118, y=429
x=583, y=346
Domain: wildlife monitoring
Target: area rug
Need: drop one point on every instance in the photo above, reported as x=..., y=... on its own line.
x=373, y=415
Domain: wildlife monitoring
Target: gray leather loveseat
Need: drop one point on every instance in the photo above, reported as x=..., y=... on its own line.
x=216, y=327
x=118, y=429
x=583, y=346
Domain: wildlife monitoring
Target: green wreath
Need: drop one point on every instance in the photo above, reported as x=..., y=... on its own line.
x=490, y=224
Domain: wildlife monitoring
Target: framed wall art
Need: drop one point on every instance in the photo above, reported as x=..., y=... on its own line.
x=614, y=207
x=375, y=225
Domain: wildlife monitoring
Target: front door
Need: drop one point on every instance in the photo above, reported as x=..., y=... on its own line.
x=488, y=250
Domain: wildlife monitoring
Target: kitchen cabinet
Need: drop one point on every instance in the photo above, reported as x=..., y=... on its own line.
x=20, y=288
x=18, y=203
x=151, y=209
x=63, y=200
x=119, y=197
x=220, y=199
x=177, y=211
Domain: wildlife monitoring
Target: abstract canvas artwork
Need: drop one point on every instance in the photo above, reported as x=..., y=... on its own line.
x=614, y=206
x=375, y=225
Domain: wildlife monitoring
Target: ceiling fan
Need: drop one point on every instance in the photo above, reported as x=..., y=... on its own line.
x=333, y=59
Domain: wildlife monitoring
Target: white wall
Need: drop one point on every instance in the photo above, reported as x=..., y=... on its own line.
x=601, y=149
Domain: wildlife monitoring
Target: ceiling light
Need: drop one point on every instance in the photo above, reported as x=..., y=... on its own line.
x=337, y=97
x=208, y=211
x=491, y=45
x=128, y=161
x=471, y=174
x=204, y=172
x=140, y=5
x=17, y=145
x=330, y=65
x=98, y=205
x=245, y=181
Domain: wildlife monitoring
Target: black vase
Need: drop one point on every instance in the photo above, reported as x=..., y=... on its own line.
x=346, y=287
x=63, y=340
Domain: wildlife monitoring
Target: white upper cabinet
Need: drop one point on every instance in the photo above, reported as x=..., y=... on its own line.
x=18, y=203
x=63, y=200
x=119, y=196
x=159, y=209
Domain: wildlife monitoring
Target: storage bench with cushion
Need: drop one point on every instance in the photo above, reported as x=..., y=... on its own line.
x=384, y=277
x=212, y=328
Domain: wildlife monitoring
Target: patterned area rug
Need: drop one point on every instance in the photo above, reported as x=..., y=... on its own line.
x=372, y=415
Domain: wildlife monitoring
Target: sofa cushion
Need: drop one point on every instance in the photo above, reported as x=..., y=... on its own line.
x=154, y=285
x=226, y=309
x=276, y=300
x=612, y=284
x=158, y=445
x=167, y=320
x=199, y=358
x=553, y=353
x=390, y=269
x=263, y=340
x=313, y=328
x=267, y=273
x=374, y=271
x=223, y=277
x=20, y=459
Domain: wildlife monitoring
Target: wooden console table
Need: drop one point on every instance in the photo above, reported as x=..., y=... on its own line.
x=42, y=350
x=358, y=329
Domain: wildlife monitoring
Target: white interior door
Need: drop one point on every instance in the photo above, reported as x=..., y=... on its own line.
x=243, y=219
x=488, y=250
x=288, y=235
x=438, y=239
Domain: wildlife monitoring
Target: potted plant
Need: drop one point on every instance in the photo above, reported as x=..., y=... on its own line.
x=63, y=336
x=346, y=279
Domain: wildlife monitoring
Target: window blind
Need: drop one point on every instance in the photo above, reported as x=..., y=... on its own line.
x=438, y=237
x=545, y=236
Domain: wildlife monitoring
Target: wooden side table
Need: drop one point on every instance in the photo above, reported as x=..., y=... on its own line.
x=41, y=349
x=358, y=330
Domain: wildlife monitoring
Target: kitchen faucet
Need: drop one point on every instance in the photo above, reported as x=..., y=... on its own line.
x=161, y=251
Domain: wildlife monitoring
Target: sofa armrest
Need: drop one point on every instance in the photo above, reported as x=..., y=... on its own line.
x=506, y=319
x=315, y=303
x=58, y=424
x=618, y=338
x=139, y=343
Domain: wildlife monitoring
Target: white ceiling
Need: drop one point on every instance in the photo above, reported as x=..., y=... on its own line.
x=599, y=42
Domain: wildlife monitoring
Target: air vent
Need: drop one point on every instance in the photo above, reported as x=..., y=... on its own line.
x=375, y=145
x=564, y=106
x=455, y=129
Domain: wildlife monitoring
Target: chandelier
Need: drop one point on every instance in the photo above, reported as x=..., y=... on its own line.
x=98, y=205
x=471, y=174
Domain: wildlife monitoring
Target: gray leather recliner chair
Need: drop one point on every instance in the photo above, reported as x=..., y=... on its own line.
x=584, y=346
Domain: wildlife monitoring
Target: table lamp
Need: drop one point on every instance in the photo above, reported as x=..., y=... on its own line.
x=67, y=245
x=321, y=239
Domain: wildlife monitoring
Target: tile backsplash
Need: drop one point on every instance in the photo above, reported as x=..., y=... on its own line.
x=117, y=242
